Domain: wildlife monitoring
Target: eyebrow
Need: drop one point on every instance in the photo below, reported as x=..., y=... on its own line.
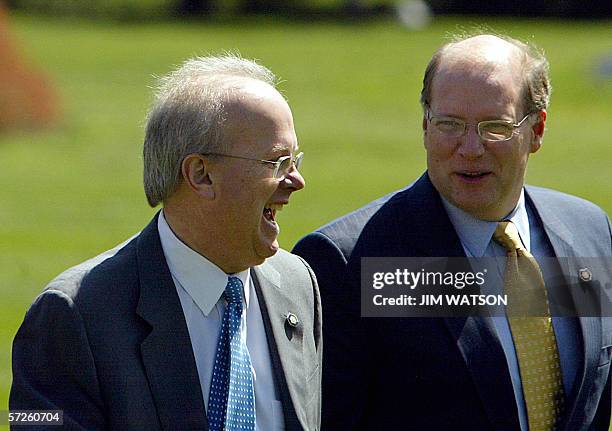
x=499, y=118
x=279, y=150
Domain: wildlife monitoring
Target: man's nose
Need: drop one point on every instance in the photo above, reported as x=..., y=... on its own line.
x=472, y=145
x=294, y=179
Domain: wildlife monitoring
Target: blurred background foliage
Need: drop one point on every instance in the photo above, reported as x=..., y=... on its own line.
x=163, y=9
x=72, y=191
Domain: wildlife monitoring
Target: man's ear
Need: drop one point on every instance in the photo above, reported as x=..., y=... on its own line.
x=196, y=174
x=537, y=130
x=424, y=130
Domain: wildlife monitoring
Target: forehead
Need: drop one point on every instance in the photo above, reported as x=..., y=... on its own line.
x=479, y=90
x=259, y=118
x=480, y=72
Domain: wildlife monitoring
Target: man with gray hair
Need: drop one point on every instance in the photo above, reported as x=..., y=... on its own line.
x=484, y=104
x=200, y=321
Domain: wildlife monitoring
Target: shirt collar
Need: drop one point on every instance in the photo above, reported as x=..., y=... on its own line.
x=202, y=280
x=476, y=234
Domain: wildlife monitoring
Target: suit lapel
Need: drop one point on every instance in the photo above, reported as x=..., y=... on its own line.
x=562, y=241
x=425, y=226
x=167, y=354
x=284, y=342
x=476, y=337
x=480, y=347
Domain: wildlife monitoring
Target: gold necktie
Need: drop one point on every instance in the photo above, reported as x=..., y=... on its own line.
x=532, y=331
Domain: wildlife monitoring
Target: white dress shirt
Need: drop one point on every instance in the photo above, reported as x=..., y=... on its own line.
x=200, y=284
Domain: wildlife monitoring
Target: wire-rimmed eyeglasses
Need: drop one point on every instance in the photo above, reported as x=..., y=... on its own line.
x=281, y=166
x=489, y=130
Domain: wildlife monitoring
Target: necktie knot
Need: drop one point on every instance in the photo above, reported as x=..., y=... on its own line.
x=233, y=291
x=506, y=234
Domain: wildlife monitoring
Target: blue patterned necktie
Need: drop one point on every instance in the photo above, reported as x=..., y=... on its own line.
x=231, y=403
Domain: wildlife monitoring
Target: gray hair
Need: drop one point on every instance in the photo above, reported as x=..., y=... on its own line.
x=534, y=68
x=188, y=114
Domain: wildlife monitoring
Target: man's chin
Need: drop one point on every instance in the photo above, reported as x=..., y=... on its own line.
x=482, y=210
x=478, y=205
x=273, y=248
x=267, y=249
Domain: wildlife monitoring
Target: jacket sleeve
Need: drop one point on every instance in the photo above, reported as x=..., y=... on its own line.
x=601, y=421
x=318, y=337
x=603, y=413
x=53, y=367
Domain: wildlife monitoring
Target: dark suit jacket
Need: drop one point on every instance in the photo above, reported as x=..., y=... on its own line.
x=440, y=373
x=107, y=343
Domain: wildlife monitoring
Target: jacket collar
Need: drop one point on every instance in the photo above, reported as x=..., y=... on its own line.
x=166, y=352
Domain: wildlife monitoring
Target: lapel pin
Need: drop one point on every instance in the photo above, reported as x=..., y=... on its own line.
x=292, y=319
x=585, y=274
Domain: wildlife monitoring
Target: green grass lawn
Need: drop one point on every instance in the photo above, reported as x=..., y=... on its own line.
x=73, y=192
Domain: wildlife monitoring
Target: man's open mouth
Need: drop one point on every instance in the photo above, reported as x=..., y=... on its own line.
x=269, y=212
x=473, y=175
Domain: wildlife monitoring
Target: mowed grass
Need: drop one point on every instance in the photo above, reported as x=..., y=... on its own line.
x=70, y=193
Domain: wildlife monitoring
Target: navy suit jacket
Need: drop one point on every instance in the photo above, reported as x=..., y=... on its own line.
x=441, y=373
x=107, y=343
